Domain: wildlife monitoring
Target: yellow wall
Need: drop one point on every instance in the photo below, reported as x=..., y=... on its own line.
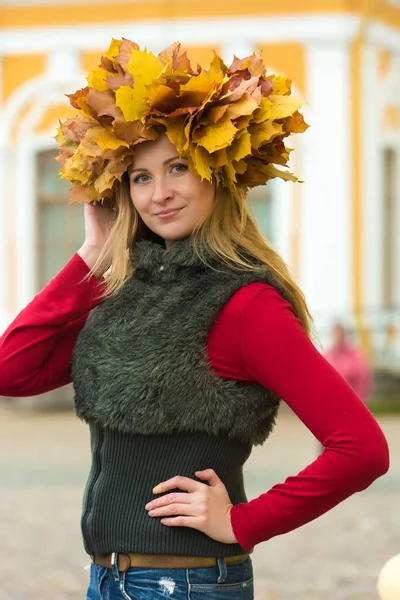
x=286, y=59
x=53, y=115
x=391, y=119
x=384, y=63
x=19, y=69
x=72, y=14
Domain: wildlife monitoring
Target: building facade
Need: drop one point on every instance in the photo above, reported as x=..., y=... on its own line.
x=338, y=231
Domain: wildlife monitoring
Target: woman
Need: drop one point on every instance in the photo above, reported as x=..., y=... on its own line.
x=181, y=328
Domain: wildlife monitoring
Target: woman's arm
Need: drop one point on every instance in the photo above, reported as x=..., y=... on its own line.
x=269, y=345
x=36, y=349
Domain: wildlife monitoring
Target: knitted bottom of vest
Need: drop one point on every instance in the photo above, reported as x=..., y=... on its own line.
x=126, y=467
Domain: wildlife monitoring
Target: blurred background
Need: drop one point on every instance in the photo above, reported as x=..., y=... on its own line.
x=338, y=231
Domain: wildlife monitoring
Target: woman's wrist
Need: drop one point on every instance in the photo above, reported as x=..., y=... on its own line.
x=89, y=254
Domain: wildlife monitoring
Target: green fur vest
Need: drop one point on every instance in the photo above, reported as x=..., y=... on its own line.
x=140, y=364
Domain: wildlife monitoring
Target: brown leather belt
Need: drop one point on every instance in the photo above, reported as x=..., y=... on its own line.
x=161, y=561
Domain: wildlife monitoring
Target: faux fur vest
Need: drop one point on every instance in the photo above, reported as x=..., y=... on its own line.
x=140, y=366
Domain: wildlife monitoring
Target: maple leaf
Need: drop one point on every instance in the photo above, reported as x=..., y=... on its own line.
x=284, y=106
x=264, y=133
x=108, y=140
x=97, y=79
x=125, y=53
x=216, y=136
x=295, y=123
x=202, y=163
x=144, y=67
x=240, y=147
x=253, y=64
x=161, y=97
x=133, y=101
x=73, y=98
x=103, y=104
x=280, y=85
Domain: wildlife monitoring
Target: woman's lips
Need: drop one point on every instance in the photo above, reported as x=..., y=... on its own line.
x=167, y=214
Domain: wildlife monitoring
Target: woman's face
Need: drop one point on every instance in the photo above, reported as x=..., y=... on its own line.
x=169, y=198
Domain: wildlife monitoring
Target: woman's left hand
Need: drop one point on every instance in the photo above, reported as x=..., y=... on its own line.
x=203, y=507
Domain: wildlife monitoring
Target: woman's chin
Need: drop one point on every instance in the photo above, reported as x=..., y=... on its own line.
x=171, y=232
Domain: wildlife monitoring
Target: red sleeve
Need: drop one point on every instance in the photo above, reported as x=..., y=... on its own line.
x=273, y=349
x=36, y=349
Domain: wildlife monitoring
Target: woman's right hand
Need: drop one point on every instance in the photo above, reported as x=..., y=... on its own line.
x=99, y=220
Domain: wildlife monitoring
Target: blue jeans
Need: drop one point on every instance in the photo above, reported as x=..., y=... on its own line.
x=224, y=582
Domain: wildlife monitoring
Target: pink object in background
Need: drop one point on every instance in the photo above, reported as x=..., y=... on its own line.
x=351, y=363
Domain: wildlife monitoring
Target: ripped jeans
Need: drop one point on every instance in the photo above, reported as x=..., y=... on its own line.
x=224, y=582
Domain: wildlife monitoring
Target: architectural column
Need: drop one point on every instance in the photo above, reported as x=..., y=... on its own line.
x=326, y=251
x=372, y=108
x=4, y=270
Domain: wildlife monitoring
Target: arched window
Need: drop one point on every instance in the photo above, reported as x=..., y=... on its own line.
x=60, y=226
x=389, y=237
x=262, y=203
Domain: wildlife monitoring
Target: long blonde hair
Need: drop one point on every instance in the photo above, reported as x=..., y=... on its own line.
x=229, y=231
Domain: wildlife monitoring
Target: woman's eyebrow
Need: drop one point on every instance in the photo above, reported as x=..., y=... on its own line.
x=164, y=163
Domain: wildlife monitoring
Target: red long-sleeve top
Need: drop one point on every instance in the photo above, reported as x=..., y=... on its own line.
x=256, y=337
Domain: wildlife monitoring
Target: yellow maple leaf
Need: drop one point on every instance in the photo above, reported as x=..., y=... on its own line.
x=243, y=122
x=218, y=135
x=253, y=64
x=113, y=50
x=201, y=161
x=200, y=87
x=230, y=175
x=243, y=107
x=264, y=132
x=273, y=172
x=219, y=158
x=284, y=106
x=104, y=182
x=240, y=147
x=280, y=85
x=215, y=113
x=108, y=140
x=133, y=101
x=263, y=112
x=97, y=79
x=295, y=124
x=174, y=131
x=160, y=97
x=144, y=67
x=218, y=69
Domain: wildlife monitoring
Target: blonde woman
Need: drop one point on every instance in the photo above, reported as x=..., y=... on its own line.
x=181, y=328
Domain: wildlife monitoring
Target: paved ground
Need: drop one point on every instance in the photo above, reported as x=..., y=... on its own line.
x=43, y=466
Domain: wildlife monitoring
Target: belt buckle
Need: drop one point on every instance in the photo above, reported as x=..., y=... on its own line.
x=118, y=559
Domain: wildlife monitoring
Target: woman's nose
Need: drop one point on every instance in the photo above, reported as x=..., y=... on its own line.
x=161, y=191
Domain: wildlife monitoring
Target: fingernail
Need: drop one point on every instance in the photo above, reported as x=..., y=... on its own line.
x=157, y=489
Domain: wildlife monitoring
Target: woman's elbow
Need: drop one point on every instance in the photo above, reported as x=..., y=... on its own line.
x=376, y=460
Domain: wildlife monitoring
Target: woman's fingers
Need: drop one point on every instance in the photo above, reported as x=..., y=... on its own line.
x=172, y=510
x=169, y=499
x=181, y=483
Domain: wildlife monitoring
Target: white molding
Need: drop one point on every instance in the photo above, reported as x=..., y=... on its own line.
x=155, y=34
x=396, y=265
x=384, y=36
x=371, y=179
x=4, y=279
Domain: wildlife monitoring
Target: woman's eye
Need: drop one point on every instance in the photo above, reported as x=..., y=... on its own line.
x=141, y=178
x=179, y=168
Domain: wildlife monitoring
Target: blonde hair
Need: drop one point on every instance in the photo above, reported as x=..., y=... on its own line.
x=229, y=232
